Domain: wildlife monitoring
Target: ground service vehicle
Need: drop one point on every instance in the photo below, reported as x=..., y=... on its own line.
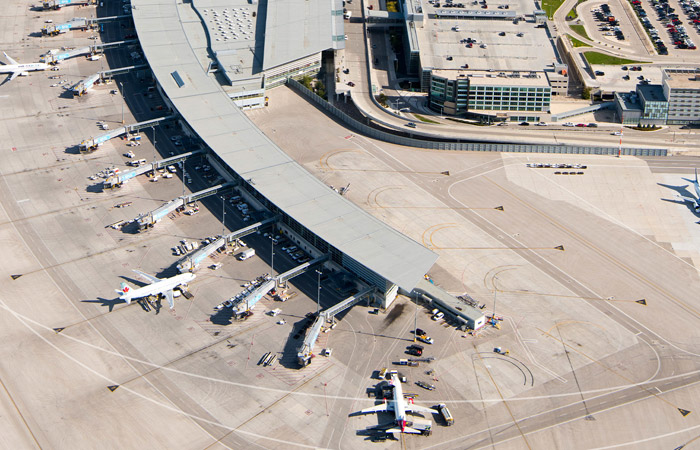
x=245, y=254
x=445, y=413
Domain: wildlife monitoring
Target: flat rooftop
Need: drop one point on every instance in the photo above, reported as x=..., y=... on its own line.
x=684, y=80
x=248, y=152
x=231, y=28
x=493, y=78
x=628, y=101
x=295, y=29
x=523, y=46
x=652, y=92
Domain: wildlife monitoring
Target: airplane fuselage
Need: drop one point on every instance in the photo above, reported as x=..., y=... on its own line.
x=11, y=68
x=160, y=287
x=399, y=405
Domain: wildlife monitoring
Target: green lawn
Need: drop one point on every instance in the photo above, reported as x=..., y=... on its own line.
x=580, y=30
x=424, y=119
x=550, y=6
x=577, y=43
x=573, y=14
x=600, y=58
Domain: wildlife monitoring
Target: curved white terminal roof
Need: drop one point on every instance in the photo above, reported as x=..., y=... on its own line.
x=205, y=106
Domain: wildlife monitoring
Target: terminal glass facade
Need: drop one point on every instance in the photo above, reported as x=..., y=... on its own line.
x=459, y=95
x=449, y=96
x=510, y=98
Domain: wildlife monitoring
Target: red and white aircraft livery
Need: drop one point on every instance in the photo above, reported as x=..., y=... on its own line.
x=156, y=286
x=400, y=407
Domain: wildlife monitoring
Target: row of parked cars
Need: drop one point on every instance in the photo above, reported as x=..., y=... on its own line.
x=241, y=206
x=556, y=166
x=580, y=125
x=296, y=253
x=609, y=23
x=247, y=289
x=667, y=15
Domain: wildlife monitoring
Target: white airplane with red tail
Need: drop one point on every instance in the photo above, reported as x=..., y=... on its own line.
x=400, y=407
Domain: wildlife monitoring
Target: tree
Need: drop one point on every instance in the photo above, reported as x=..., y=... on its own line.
x=586, y=94
x=320, y=89
x=306, y=81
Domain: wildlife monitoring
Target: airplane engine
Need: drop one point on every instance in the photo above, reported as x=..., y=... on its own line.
x=24, y=74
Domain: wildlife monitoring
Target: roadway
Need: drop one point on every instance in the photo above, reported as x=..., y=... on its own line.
x=384, y=80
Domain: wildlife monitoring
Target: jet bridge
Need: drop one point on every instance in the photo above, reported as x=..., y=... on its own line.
x=119, y=179
x=246, y=302
x=305, y=352
x=55, y=56
x=76, y=23
x=90, y=145
x=149, y=219
x=301, y=268
x=190, y=262
x=58, y=4
x=82, y=86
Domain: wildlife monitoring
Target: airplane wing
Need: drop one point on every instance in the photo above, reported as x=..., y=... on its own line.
x=405, y=430
x=169, y=296
x=687, y=199
x=14, y=75
x=151, y=279
x=12, y=61
x=384, y=407
x=419, y=409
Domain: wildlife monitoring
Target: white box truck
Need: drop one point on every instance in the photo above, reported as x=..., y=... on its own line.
x=245, y=254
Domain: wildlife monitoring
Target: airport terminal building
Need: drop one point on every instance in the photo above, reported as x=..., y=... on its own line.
x=173, y=37
x=484, y=61
x=258, y=45
x=676, y=101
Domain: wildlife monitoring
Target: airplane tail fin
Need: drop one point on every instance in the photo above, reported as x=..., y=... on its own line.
x=12, y=61
x=696, y=175
x=125, y=292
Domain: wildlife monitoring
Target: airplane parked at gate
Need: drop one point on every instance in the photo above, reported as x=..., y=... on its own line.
x=400, y=407
x=695, y=201
x=16, y=69
x=156, y=286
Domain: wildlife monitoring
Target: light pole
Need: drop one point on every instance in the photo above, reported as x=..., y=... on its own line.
x=272, y=256
x=154, y=149
x=318, y=296
x=121, y=86
x=415, y=320
x=495, y=291
x=182, y=166
x=223, y=216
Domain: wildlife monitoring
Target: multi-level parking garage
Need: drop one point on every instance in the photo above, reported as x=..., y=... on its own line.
x=175, y=46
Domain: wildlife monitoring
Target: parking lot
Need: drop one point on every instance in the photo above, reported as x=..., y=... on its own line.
x=605, y=26
x=671, y=24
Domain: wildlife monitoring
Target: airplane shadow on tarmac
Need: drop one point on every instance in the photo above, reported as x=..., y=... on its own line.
x=683, y=191
x=106, y=302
